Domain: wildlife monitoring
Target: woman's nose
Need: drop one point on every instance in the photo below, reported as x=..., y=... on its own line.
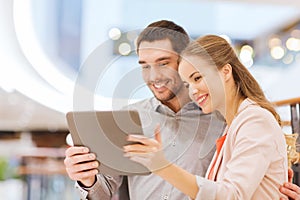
x=194, y=91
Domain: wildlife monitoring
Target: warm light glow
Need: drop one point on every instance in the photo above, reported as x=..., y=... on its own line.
x=277, y=52
x=288, y=59
x=246, y=55
x=114, y=33
x=273, y=42
x=247, y=48
x=295, y=33
x=124, y=49
x=293, y=44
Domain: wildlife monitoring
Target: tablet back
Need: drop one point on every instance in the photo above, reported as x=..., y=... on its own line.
x=104, y=133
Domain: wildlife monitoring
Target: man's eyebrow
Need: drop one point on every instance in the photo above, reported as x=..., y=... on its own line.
x=193, y=74
x=163, y=58
x=157, y=60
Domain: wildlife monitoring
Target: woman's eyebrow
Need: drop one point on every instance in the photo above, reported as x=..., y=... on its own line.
x=193, y=74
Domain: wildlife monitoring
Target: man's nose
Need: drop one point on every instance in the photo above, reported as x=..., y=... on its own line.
x=156, y=74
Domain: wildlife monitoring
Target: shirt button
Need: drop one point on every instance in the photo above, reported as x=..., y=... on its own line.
x=174, y=144
x=166, y=197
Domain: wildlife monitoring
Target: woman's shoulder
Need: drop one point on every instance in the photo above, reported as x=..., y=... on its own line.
x=253, y=116
x=250, y=109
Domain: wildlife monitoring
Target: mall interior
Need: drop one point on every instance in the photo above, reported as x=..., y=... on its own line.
x=46, y=47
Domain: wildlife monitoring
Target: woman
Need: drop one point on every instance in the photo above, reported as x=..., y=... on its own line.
x=251, y=158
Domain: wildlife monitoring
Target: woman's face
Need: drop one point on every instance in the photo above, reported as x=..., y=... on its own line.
x=205, y=83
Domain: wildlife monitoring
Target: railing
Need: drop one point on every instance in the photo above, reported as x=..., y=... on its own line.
x=295, y=119
x=292, y=140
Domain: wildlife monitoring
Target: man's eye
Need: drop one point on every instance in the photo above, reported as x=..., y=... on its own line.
x=186, y=84
x=146, y=66
x=163, y=64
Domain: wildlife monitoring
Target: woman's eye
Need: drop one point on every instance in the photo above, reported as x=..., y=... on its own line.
x=197, y=78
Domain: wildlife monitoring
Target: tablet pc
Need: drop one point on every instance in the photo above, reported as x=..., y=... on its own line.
x=104, y=133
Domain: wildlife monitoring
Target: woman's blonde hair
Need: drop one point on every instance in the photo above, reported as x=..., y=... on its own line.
x=217, y=51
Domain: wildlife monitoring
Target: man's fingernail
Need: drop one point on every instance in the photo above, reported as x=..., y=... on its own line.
x=286, y=184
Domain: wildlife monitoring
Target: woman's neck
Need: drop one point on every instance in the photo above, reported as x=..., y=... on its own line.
x=233, y=101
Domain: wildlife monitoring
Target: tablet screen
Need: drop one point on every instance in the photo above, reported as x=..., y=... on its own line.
x=104, y=133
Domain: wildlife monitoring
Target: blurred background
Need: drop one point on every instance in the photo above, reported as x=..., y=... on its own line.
x=46, y=46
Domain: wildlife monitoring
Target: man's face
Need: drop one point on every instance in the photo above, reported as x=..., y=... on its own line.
x=159, y=65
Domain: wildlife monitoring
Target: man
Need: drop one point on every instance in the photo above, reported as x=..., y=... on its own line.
x=290, y=189
x=188, y=135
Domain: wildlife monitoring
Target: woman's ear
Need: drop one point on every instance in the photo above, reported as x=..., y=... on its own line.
x=227, y=72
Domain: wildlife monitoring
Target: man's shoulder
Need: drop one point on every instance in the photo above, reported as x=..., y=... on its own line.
x=148, y=103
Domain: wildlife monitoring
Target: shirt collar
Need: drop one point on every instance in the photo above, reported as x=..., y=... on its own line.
x=161, y=108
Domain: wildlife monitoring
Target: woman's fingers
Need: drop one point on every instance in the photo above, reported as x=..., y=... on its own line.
x=140, y=148
x=142, y=139
x=148, y=151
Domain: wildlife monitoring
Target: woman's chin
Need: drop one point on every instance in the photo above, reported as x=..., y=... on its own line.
x=206, y=110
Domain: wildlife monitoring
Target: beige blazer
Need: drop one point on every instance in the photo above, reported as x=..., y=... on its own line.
x=253, y=160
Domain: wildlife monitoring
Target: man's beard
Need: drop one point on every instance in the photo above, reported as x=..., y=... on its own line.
x=166, y=97
x=169, y=94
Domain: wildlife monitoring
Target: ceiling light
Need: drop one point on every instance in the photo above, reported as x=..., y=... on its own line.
x=114, y=33
x=293, y=44
x=124, y=49
x=277, y=52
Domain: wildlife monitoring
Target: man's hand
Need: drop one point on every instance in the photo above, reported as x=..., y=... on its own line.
x=292, y=191
x=81, y=165
x=290, y=175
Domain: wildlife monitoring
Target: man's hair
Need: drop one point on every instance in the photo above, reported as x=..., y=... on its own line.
x=164, y=29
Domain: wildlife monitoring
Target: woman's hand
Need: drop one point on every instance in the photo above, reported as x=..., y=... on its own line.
x=147, y=152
